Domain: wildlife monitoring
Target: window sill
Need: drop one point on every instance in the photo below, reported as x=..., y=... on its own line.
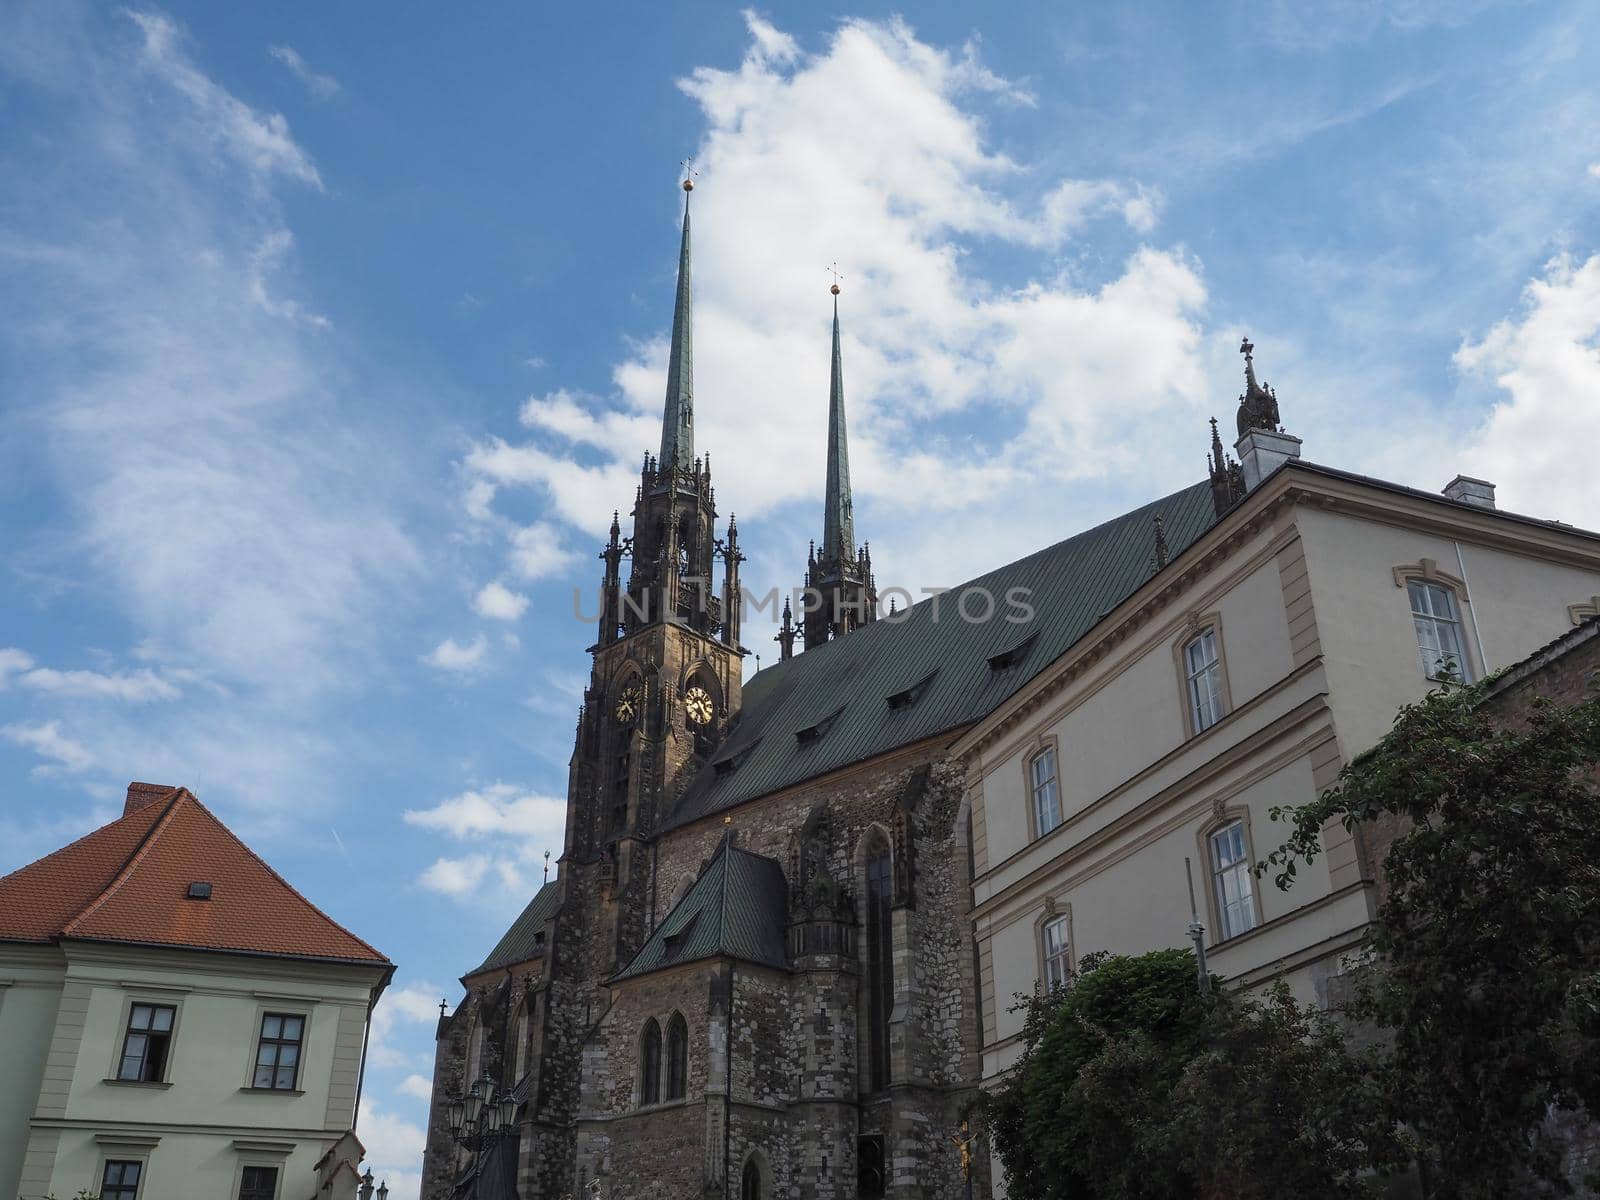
x=261, y=1091
x=139, y=1083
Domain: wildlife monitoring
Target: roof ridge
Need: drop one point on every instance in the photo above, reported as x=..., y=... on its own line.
x=121, y=875
x=293, y=891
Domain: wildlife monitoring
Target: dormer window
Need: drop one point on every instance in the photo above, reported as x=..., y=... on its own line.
x=910, y=695
x=1010, y=658
x=814, y=733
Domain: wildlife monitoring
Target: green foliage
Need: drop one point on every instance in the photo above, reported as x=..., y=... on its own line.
x=1486, y=952
x=1132, y=1086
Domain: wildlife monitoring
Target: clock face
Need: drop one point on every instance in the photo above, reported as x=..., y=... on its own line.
x=697, y=704
x=628, y=703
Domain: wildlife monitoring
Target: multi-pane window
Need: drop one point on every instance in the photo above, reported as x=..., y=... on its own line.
x=1202, y=675
x=1231, y=879
x=1057, y=953
x=1438, y=622
x=120, y=1180
x=880, y=961
x=144, y=1045
x=278, y=1052
x=1046, y=788
x=650, y=1063
x=677, y=1057
x=258, y=1183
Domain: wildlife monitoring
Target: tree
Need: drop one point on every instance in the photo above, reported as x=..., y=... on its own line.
x=1133, y=1086
x=1485, y=953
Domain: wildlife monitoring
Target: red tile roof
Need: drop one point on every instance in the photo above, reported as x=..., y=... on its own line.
x=128, y=882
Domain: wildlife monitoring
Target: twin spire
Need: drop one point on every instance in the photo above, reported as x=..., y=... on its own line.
x=677, y=422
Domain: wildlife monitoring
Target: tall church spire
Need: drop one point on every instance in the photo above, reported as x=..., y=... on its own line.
x=840, y=594
x=677, y=421
x=838, y=519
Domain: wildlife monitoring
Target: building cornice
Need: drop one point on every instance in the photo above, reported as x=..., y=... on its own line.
x=1293, y=485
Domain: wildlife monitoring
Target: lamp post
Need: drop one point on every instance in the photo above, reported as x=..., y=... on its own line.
x=480, y=1116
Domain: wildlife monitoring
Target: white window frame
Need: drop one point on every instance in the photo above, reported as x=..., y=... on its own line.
x=1049, y=786
x=1423, y=595
x=1055, y=950
x=1203, y=684
x=1237, y=916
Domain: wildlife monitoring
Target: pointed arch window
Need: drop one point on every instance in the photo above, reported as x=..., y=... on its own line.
x=650, y=1063
x=677, y=1057
x=880, y=959
x=750, y=1185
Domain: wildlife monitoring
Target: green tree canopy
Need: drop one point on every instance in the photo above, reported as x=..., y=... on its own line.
x=1486, y=950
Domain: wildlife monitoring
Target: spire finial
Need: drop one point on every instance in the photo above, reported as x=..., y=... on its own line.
x=688, y=174
x=677, y=421
x=834, y=271
x=1258, y=407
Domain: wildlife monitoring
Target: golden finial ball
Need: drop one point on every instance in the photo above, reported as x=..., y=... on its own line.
x=834, y=289
x=688, y=185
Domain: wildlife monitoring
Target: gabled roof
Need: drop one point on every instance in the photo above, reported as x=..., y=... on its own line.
x=521, y=941
x=736, y=909
x=930, y=650
x=128, y=882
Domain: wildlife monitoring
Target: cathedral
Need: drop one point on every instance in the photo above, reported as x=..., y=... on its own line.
x=754, y=974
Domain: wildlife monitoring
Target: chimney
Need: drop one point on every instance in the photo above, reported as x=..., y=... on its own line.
x=1464, y=489
x=142, y=794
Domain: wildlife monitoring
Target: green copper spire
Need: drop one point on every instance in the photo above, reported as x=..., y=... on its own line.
x=677, y=422
x=838, y=519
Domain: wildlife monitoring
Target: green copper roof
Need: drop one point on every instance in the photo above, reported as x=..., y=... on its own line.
x=521, y=942
x=677, y=421
x=928, y=671
x=838, y=520
x=736, y=909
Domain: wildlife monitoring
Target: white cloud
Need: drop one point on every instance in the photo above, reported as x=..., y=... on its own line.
x=394, y=1148
x=498, y=602
x=136, y=687
x=455, y=876
x=13, y=661
x=516, y=826
x=319, y=85
x=46, y=740
x=1546, y=358
x=260, y=141
x=402, y=1013
x=1594, y=170
x=537, y=551
x=418, y=1087
x=457, y=657
x=965, y=392
x=500, y=810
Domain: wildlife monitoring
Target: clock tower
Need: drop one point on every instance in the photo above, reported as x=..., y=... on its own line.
x=665, y=681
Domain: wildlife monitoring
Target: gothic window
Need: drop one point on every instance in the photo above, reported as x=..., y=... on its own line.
x=1231, y=881
x=474, y=1051
x=1437, y=618
x=1202, y=675
x=1055, y=948
x=1045, y=788
x=880, y=959
x=750, y=1186
x=677, y=1057
x=650, y=1063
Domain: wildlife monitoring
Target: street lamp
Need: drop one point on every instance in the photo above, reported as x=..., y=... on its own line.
x=481, y=1116
x=366, y=1186
x=383, y=1190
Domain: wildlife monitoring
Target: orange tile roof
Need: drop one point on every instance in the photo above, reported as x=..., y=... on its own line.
x=128, y=882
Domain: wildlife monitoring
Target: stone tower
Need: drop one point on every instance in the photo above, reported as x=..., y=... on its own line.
x=665, y=680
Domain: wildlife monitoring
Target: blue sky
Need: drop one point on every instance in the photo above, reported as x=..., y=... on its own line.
x=329, y=339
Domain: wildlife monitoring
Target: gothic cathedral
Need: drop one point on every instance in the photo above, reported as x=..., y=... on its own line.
x=749, y=977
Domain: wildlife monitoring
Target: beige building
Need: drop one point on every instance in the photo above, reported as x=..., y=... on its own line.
x=176, y=1020
x=1240, y=676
